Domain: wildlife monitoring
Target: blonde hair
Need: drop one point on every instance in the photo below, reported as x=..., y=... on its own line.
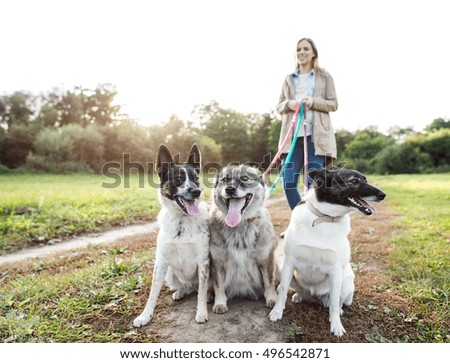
x=315, y=61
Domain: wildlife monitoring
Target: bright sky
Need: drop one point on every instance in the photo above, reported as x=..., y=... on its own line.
x=389, y=59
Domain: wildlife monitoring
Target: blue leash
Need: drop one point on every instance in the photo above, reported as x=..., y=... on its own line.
x=291, y=150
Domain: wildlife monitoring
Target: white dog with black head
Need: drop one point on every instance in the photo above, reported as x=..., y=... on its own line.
x=316, y=247
x=182, y=252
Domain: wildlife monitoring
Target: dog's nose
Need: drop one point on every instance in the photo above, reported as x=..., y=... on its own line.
x=230, y=190
x=195, y=192
x=381, y=195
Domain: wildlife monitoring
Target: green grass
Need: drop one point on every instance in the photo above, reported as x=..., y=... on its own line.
x=60, y=206
x=64, y=205
x=74, y=299
x=420, y=260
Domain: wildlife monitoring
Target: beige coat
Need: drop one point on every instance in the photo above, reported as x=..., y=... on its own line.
x=324, y=101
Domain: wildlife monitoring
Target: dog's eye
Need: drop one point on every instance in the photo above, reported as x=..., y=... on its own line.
x=354, y=181
x=244, y=178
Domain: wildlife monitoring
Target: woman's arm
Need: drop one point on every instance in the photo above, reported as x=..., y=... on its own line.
x=283, y=103
x=329, y=103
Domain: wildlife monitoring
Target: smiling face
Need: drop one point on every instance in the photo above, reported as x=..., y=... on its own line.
x=237, y=189
x=179, y=183
x=305, y=54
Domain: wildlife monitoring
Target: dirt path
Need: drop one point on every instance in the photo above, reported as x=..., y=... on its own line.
x=91, y=239
x=245, y=322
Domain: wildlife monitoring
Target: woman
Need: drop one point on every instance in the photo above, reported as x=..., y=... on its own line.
x=315, y=86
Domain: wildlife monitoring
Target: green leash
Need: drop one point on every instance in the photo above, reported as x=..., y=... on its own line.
x=291, y=150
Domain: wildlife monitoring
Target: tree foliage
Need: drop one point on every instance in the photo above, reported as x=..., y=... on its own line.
x=16, y=109
x=228, y=128
x=438, y=124
x=82, y=130
x=405, y=158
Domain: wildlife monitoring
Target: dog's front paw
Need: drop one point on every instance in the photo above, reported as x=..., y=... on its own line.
x=276, y=314
x=141, y=320
x=337, y=329
x=177, y=295
x=271, y=299
x=220, y=309
x=296, y=298
x=201, y=317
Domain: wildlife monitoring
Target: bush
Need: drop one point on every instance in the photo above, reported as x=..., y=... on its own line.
x=41, y=163
x=70, y=148
x=405, y=158
x=87, y=145
x=436, y=144
x=362, y=165
x=15, y=146
x=4, y=169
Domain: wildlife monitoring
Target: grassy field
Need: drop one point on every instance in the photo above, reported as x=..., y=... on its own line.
x=38, y=208
x=420, y=259
x=92, y=295
x=57, y=206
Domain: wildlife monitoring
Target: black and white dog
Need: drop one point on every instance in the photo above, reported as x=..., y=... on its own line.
x=316, y=247
x=182, y=252
x=242, y=239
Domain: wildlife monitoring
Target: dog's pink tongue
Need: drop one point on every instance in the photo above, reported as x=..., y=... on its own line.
x=191, y=208
x=233, y=217
x=367, y=205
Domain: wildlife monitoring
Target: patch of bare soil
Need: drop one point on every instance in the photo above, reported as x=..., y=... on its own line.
x=376, y=314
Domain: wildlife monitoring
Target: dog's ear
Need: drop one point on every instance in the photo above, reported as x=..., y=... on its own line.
x=195, y=158
x=317, y=174
x=164, y=160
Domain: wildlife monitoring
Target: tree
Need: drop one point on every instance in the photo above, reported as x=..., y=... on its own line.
x=16, y=109
x=274, y=136
x=127, y=138
x=260, y=135
x=343, y=138
x=88, y=145
x=363, y=149
x=99, y=106
x=436, y=144
x=438, y=124
x=71, y=109
x=15, y=145
x=69, y=148
x=400, y=134
x=228, y=128
x=84, y=107
x=404, y=158
x=47, y=117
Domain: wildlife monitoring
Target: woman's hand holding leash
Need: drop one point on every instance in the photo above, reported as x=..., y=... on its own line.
x=308, y=101
x=294, y=105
